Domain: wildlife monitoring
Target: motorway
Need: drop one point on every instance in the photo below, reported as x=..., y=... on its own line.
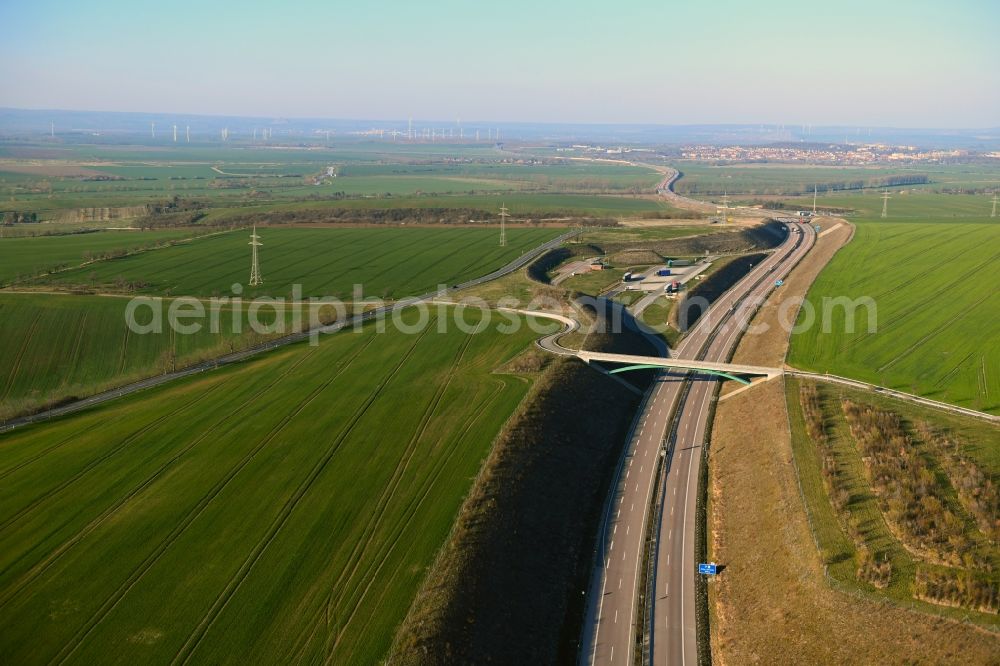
x=610, y=630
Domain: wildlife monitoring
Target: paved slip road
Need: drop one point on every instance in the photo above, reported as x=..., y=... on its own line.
x=610, y=626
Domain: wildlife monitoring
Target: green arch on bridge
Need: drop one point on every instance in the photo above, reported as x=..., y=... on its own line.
x=647, y=366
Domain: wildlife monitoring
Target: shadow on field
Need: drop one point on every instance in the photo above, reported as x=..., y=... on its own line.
x=507, y=587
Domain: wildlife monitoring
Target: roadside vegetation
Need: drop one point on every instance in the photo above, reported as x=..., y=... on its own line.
x=786, y=555
x=887, y=517
x=793, y=544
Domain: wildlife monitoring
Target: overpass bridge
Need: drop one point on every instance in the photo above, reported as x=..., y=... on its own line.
x=727, y=370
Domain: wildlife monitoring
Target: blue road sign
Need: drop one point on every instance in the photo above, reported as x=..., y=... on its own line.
x=708, y=569
x=778, y=283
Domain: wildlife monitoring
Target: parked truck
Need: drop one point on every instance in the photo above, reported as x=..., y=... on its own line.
x=627, y=277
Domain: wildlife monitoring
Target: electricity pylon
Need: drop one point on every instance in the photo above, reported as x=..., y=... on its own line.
x=814, y=199
x=255, y=278
x=503, y=225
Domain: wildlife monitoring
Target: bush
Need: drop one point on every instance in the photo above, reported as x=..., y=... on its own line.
x=907, y=489
x=957, y=588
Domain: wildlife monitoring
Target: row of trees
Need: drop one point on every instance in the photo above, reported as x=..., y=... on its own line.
x=873, y=568
x=18, y=217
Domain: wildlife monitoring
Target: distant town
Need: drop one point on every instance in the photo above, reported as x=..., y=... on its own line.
x=835, y=154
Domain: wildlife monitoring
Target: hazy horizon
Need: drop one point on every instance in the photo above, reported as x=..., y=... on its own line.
x=484, y=122
x=894, y=64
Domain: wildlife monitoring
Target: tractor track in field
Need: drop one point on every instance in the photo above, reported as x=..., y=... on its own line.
x=465, y=269
x=194, y=639
x=42, y=566
x=415, y=506
x=81, y=327
x=387, y=258
x=908, y=284
x=358, y=255
x=93, y=463
x=919, y=343
x=375, y=520
x=124, y=354
x=916, y=307
x=20, y=355
x=361, y=548
x=954, y=371
x=38, y=456
x=302, y=644
x=392, y=267
x=195, y=512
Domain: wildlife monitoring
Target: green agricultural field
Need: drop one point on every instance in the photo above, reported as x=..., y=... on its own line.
x=934, y=287
x=81, y=176
x=388, y=262
x=74, y=346
x=27, y=256
x=553, y=177
x=909, y=204
x=281, y=510
x=786, y=179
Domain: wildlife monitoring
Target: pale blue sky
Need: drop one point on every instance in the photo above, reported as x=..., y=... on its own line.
x=912, y=63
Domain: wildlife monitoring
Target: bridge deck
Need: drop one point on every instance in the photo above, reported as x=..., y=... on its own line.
x=681, y=364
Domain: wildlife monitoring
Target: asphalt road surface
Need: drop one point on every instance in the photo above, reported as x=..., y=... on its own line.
x=610, y=627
